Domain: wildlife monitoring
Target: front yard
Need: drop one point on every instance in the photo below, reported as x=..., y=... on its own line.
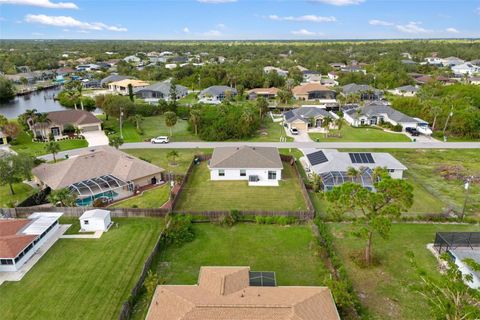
x=364, y=134
x=202, y=194
x=83, y=278
x=154, y=198
x=386, y=289
x=24, y=144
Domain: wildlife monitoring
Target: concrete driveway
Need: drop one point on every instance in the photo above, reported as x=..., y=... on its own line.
x=96, y=138
x=300, y=137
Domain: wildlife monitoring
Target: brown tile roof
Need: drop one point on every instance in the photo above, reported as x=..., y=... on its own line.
x=75, y=117
x=12, y=243
x=224, y=293
x=102, y=161
x=309, y=87
x=264, y=90
x=246, y=157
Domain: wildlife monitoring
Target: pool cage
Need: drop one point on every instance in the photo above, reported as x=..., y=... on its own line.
x=332, y=179
x=445, y=241
x=107, y=187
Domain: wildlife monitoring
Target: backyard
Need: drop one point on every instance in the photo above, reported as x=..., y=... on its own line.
x=364, y=134
x=153, y=198
x=202, y=194
x=83, y=278
x=22, y=191
x=385, y=289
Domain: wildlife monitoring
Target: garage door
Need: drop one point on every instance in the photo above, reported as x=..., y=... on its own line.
x=90, y=128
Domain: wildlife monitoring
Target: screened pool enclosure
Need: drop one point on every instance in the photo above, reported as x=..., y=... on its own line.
x=108, y=188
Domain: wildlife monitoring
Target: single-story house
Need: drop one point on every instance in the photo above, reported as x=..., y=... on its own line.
x=310, y=76
x=332, y=165
x=332, y=75
x=132, y=58
x=305, y=118
x=260, y=166
x=314, y=92
x=405, y=91
x=95, y=220
x=121, y=86
x=337, y=65
x=375, y=113
x=103, y=173
x=353, y=68
x=112, y=78
x=365, y=91
x=21, y=238
x=88, y=67
x=160, y=90
x=474, y=80
x=267, y=93
x=234, y=293
x=91, y=83
x=216, y=94
x=58, y=120
x=466, y=68
x=452, y=61
x=280, y=72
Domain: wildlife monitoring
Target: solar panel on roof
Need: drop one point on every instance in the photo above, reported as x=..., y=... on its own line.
x=317, y=158
x=361, y=158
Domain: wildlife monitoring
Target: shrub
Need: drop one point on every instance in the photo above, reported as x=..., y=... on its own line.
x=397, y=128
x=180, y=229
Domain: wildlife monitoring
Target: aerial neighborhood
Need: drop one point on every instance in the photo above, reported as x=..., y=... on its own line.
x=238, y=179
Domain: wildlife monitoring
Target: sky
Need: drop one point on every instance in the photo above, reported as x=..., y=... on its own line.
x=238, y=19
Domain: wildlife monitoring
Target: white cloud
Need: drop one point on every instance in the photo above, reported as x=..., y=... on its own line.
x=221, y=26
x=305, y=32
x=340, y=2
x=452, y=30
x=380, y=23
x=65, y=21
x=412, y=27
x=212, y=33
x=42, y=4
x=477, y=11
x=186, y=30
x=305, y=18
x=216, y=1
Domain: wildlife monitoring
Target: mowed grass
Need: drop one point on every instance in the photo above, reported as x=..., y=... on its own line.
x=159, y=158
x=25, y=145
x=22, y=191
x=202, y=194
x=154, y=198
x=385, y=289
x=270, y=132
x=363, y=134
x=286, y=250
x=83, y=278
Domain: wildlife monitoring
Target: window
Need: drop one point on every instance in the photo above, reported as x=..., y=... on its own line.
x=243, y=173
x=85, y=221
x=221, y=173
x=391, y=170
x=272, y=175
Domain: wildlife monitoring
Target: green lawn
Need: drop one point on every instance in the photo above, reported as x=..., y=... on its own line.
x=22, y=191
x=24, y=144
x=202, y=194
x=369, y=134
x=154, y=198
x=83, y=278
x=159, y=158
x=191, y=98
x=152, y=127
x=271, y=132
x=385, y=289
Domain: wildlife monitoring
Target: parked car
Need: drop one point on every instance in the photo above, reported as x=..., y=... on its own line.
x=413, y=131
x=160, y=139
x=294, y=131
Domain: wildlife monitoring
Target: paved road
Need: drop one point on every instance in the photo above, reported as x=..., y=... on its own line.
x=324, y=145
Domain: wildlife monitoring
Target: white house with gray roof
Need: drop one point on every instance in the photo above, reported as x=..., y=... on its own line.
x=160, y=90
x=260, y=166
x=216, y=94
x=306, y=118
x=365, y=91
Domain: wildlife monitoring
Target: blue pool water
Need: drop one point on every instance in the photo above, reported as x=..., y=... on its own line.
x=88, y=201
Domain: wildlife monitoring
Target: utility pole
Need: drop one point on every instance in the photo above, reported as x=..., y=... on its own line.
x=446, y=122
x=121, y=124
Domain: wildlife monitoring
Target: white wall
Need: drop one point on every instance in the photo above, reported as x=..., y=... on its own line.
x=396, y=174
x=234, y=174
x=95, y=224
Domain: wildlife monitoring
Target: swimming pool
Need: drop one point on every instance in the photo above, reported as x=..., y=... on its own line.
x=88, y=201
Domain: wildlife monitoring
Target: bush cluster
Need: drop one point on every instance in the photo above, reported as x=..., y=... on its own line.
x=280, y=220
x=179, y=230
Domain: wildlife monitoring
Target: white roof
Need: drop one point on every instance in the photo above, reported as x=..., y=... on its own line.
x=36, y=215
x=340, y=161
x=40, y=224
x=95, y=213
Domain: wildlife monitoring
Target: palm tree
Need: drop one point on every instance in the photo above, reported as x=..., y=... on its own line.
x=115, y=141
x=173, y=155
x=63, y=197
x=170, y=120
x=53, y=147
x=248, y=117
x=326, y=124
x=378, y=173
x=31, y=114
x=353, y=173
x=43, y=120
x=195, y=119
x=137, y=119
x=339, y=123
x=72, y=96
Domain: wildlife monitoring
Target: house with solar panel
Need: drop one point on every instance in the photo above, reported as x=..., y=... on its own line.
x=332, y=166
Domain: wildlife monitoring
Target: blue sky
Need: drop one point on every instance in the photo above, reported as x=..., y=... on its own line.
x=238, y=19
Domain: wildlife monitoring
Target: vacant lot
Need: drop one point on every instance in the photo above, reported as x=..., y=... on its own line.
x=159, y=158
x=385, y=289
x=369, y=134
x=154, y=198
x=83, y=278
x=202, y=194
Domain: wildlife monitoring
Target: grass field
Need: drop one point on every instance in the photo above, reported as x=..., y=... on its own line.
x=22, y=191
x=154, y=198
x=83, y=278
x=385, y=289
x=370, y=134
x=202, y=194
x=25, y=145
x=271, y=132
x=159, y=158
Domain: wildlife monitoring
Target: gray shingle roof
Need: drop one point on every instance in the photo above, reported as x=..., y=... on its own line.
x=246, y=157
x=164, y=88
x=113, y=78
x=408, y=88
x=358, y=88
x=376, y=109
x=217, y=90
x=305, y=113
